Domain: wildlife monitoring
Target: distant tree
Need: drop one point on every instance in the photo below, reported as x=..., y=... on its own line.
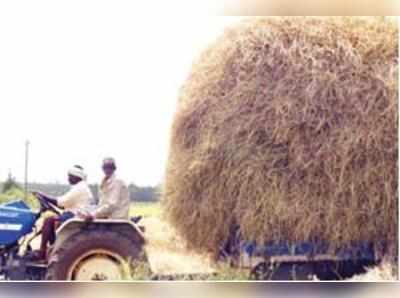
x=144, y=194
x=10, y=183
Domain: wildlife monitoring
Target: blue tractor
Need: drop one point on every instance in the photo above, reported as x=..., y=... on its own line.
x=98, y=250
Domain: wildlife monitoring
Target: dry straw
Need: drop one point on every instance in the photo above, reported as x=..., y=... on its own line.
x=287, y=127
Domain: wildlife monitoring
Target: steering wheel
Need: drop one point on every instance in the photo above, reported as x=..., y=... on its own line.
x=45, y=205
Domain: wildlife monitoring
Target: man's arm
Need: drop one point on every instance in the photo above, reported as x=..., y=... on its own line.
x=69, y=199
x=110, y=203
x=46, y=197
x=53, y=201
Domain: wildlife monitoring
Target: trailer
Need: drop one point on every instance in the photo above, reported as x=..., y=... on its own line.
x=302, y=260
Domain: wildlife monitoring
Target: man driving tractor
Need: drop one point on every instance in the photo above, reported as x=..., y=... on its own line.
x=113, y=202
x=77, y=198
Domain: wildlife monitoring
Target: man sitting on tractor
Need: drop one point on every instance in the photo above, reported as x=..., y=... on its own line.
x=114, y=200
x=77, y=198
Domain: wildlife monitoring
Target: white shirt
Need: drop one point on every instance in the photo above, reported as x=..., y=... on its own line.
x=114, y=199
x=77, y=198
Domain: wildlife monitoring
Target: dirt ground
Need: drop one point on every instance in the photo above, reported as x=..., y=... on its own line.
x=167, y=253
x=383, y=272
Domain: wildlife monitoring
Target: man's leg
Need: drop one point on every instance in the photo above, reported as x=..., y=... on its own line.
x=48, y=235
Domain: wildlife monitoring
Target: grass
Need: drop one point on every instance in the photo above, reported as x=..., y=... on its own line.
x=141, y=272
x=145, y=209
x=18, y=194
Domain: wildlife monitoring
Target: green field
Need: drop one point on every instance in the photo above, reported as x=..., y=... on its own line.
x=18, y=194
x=145, y=209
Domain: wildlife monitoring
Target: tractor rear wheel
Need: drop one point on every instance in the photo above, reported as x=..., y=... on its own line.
x=93, y=255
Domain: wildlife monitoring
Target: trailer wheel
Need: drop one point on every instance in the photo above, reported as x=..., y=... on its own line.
x=260, y=272
x=93, y=255
x=282, y=271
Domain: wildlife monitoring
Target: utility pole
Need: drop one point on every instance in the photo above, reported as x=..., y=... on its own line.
x=26, y=168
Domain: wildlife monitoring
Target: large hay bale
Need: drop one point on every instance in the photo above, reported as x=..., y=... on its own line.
x=287, y=127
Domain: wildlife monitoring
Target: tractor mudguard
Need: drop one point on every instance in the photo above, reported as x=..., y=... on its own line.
x=75, y=225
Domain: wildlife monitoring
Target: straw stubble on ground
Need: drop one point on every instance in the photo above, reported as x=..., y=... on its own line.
x=167, y=253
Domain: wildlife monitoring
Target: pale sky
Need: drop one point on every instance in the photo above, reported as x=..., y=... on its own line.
x=85, y=79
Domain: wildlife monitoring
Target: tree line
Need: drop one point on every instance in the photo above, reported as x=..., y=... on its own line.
x=136, y=193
